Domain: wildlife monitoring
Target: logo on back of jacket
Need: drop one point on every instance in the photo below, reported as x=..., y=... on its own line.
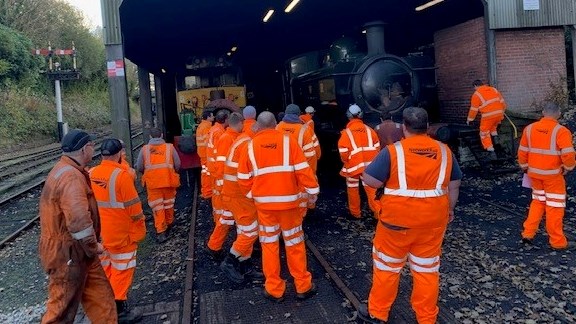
x=289, y=130
x=542, y=130
x=100, y=182
x=426, y=152
x=269, y=146
x=155, y=151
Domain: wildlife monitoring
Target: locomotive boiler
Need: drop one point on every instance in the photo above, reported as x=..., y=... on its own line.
x=381, y=84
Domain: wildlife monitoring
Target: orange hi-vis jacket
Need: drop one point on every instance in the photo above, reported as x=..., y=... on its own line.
x=119, y=206
x=223, y=146
x=273, y=171
x=358, y=146
x=546, y=148
x=231, y=188
x=202, y=137
x=489, y=102
x=159, y=166
x=416, y=193
x=303, y=135
x=307, y=120
x=248, y=123
x=213, y=135
x=126, y=167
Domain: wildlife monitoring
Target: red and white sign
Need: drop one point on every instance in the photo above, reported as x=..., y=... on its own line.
x=115, y=68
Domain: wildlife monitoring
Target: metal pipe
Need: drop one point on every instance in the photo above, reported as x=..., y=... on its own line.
x=490, y=47
x=58, y=94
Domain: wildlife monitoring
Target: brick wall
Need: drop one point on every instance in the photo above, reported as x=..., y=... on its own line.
x=528, y=60
x=460, y=59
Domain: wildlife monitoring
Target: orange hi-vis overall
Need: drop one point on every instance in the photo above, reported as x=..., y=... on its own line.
x=273, y=158
x=126, y=166
x=161, y=181
x=201, y=144
x=546, y=151
x=491, y=105
x=358, y=146
x=304, y=136
x=242, y=208
x=412, y=222
x=307, y=120
x=247, y=128
x=226, y=220
x=215, y=132
x=122, y=221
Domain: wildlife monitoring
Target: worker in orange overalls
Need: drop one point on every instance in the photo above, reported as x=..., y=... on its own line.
x=238, y=265
x=226, y=220
x=421, y=180
x=358, y=145
x=272, y=172
x=201, y=144
x=124, y=162
x=214, y=135
x=249, y=114
x=546, y=153
x=123, y=224
x=160, y=163
x=69, y=231
x=308, y=117
x=491, y=105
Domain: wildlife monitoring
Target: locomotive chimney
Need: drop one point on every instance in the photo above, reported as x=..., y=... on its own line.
x=375, y=37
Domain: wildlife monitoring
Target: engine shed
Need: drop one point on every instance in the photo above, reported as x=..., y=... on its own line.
x=519, y=46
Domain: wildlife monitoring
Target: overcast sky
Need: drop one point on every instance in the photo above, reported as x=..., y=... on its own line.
x=91, y=10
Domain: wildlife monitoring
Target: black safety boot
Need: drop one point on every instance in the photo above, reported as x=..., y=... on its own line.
x=366, y=317
x=127, y=315
x=216, y=255
x=305, y=295
x=272, y=298
x=231, y=268
x=527, y=241
x=570, y=247
x=492, y=155
x=249, y=271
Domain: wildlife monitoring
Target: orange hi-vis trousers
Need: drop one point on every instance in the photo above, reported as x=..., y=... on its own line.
x=422, y=248
x=119, y=267
x=205, y=180
x=161, y=201
x=354, y=203
x=488, y=128
x=222, y=224
x=246, y=219
x=548, y=197
x=287, y=223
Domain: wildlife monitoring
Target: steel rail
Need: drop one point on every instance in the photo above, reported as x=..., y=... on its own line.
x=189, y=285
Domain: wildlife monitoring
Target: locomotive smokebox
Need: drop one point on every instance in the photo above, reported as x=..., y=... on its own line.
x=375, y=37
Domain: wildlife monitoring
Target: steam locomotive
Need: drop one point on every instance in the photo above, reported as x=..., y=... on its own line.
x=380, y=83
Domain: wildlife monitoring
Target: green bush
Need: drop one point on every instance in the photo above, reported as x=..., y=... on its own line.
x=17, y=63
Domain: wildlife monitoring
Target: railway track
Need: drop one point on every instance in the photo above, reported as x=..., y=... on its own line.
x=20, y=174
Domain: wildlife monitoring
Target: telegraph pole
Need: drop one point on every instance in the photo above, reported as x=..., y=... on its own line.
x=117, y=86
x=56, y=73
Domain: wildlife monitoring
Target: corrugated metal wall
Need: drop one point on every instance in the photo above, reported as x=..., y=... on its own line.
x=111, y=21
x=511, y=13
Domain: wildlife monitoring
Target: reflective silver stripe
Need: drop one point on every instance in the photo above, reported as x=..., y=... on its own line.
x=225, y=221
x=313, y=191
x=524, y=165
x=292, y=231
x=131, y=202
x=552, y=150
x=286, y=151
x=488, y=102
x=423, y=261
x=229, y=161
x=443, y=166
x=545, y=152
x=155, y=202
x=273, y=169
x=276, y=199
x=244, y=176
x=301, y=166
x=148, y=163
x=554, y=137
x=356, y=167
x=473, y=109
x=169, y=200
x=401, y=161
x=539, y=198
x=269, y=239
x=294, y=241
x=381, y=266
x=88, y=231
x=369, y=133
x=538, y=192
x=269, y=229
x=124, y=266
x=420, y=269
x=544, y=172
x=248, y=228
x=252, y=159
x=567, y=150
x=569, y=168
x=482, y=100
x=352, y=142
x=343, y=150
x=309, y=154
x=308, y=146
x=232, y=164
x=104, y=263
x=385, y=257
x=219, y=182
x=529, y=135
x=220, y=158
x=62, y=170
x=555, y=196
x=555, y=204
x=412, y=193
x=230, y=178
x=123, y=256
x=112, y=201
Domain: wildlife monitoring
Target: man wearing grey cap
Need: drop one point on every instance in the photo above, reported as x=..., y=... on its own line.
x=69, y=231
